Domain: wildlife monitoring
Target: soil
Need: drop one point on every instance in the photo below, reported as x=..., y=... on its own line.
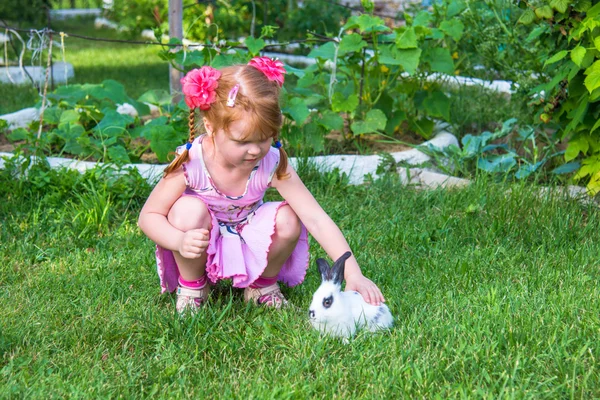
x=5, y=145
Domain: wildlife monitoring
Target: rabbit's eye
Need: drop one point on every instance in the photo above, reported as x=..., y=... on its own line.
x=327, y=301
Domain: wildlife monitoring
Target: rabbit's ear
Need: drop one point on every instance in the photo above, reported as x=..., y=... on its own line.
x=337, y=271
x=324, y=269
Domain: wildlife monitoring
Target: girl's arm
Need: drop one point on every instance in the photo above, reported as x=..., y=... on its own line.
x=153, y=217
x=325, y=232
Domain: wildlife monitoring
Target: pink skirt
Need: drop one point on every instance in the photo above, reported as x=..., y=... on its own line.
x=240, y=253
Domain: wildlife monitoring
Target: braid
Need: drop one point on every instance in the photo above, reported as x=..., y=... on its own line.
x=191, y=124
x=184, y=155
x=281, y=170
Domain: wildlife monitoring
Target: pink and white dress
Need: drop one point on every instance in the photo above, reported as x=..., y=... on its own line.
x=242, y=227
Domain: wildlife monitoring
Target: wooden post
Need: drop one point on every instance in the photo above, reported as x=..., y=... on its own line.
x=175, y=31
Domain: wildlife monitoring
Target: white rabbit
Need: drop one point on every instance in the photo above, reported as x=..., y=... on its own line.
x=342, y=313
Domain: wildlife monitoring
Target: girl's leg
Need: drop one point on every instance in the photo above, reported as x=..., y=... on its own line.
x=285, y=238
x=265, y=290
x=190, y=213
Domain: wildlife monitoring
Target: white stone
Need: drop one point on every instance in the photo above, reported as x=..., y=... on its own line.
x=22, y=118
x=127, y=109
x=425, y=179
x=105, y=23
x=74, y=13
x=356, y=167
x=17, y=76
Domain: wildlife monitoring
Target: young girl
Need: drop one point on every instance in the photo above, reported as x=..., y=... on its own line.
x=207, y=216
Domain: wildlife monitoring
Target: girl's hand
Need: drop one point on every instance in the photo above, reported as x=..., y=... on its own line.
x=194, y=243
x=369, y=291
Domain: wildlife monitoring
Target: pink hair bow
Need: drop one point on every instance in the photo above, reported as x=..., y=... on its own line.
x=273, y=69
x=199, y=87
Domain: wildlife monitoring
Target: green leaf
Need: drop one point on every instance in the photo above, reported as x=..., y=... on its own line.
x=408, y=58
x=528, y=169
x=437, y=104
x=369, y=23
x=577, y=115
x=577, y=54
x=423, y=18
x=394, y=122
x=254, y=45
x=527, y=17
x=453, y=28
x=375, y=120
x=190, y=58
x=326, y=52
x=351, y=43
x=566, y=168
x=113, y=124
x=423, y=126
x=455, y=7
x=69, y=117
x=596, y=126
x=225, y=60
x=441, y=60
x=72, y=135
x=52, y=115
x=582, y=5
x=535, y=33
x=109, y=89
x=408, y=39
x=544, y=12
x=592, y=81
x=157, y=97
x=163, y=140
x=145, y=131
x=18, y=134
x=576, y=146
x=560, y=5
x=597, y=43
x=366, y=24
x=297, y=110
x=118, y=154
x=313, y=136
x=331, y=121
x=594, y=11
x=295, y=71
x=341, y=103
x=557, y=57
x=307, y=80
x=497, y=164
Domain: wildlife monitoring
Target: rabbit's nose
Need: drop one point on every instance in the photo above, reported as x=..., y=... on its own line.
x=311, y=313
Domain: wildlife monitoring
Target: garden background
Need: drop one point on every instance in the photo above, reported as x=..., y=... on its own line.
x=494, y=286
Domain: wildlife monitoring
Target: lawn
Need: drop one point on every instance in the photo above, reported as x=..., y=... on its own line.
x=137, y=67
x=493, y=287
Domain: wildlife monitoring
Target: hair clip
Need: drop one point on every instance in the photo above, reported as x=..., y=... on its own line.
x=277, y=144
x=188, y=145
x=232, y=95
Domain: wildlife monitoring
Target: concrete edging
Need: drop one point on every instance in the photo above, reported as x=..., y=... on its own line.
x=355, y=166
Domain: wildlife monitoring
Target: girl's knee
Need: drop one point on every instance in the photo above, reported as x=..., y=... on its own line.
x=189, y=213
x=287, y=224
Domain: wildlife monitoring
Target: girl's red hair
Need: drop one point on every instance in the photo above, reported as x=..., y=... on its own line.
x=257, y=102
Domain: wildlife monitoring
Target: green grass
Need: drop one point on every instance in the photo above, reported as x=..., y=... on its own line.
x=494, y=294
x=137, y=67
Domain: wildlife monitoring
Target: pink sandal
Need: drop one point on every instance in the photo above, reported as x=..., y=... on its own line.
x=269, y=296
x=190, y=300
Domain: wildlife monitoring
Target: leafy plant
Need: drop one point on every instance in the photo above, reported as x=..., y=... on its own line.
x=571, y=98
x=84, y=122
x=510, y=151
